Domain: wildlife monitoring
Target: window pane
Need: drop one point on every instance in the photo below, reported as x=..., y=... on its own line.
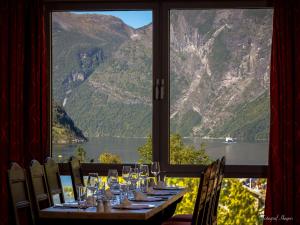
x=219, y=85
x=101, y=84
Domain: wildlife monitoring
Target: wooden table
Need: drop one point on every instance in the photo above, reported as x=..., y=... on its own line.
x=161, y=212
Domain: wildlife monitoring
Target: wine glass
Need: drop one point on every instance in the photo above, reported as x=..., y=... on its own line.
x=81, y=195
x=112, y=180
x=134, y=177
x=144, y=174
x=144, y=171
x=93, y=183
x=126, y=173
x=155, y=170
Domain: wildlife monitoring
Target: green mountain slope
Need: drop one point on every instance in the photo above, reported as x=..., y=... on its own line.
x=63, y=128
x=102, y=73
x=250, y=121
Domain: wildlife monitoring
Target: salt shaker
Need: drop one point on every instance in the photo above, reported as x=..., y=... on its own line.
x=100, y=207
x=106, y=206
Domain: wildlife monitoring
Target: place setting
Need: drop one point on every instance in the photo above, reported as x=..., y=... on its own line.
x=136, y=190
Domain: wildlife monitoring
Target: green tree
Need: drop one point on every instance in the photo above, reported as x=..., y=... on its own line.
x=110, y=158
x=237, y=205
x=179, y=152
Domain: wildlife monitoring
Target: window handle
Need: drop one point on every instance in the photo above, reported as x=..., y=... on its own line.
x=156, y=97
x=162, y=89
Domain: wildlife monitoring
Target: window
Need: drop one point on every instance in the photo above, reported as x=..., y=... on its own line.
x=191, y=80
x=219, y=84
x=101, y=84
x=186, y=87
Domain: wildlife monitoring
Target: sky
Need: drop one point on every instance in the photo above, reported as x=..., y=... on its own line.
x=135, y=19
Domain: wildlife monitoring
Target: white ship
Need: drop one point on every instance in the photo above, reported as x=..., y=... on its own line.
x=229, y=140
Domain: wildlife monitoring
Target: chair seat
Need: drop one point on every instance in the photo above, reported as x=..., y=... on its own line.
x=182, y=217
x=170, y=222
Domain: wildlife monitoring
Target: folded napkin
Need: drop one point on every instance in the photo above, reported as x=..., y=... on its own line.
x=139, y=196
x=109, y=194
x=125, y=203
x=161, y=184
x=70, y=205
x=91, y=200
x=150, y=190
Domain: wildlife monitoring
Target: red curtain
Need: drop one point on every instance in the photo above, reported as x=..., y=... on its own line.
x=24, y=89
x=283, y=191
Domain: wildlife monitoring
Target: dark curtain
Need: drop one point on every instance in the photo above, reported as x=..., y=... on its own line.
x=283, y=191
x=24, y=88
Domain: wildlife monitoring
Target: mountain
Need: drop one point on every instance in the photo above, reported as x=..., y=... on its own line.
x=63, y=128
x=219, y=61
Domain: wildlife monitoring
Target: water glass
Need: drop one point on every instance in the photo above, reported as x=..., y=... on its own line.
x=93, y=183
x=112, y=180
x=81, y=195
x=134, y=177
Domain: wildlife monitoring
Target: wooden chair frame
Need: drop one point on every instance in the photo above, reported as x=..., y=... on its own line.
x=53, y=180
x=39, y=185
x=76, y=174
x=19, y=193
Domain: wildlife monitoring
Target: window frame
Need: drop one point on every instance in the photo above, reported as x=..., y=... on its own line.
x=160, y=108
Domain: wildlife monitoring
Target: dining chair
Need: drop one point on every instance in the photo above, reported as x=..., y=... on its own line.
x=199, y=215
x=53, y=180
x=76, y=174
x=211, y=192
x=215, y=204
x=19, y=194
x=39, y=185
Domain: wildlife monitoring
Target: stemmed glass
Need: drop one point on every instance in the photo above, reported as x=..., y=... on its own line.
x=93, y=183
x=134, y=177
x=81, y=195
x=155, y=170
x=126, y=173
x=112, y=180
x=144, y=174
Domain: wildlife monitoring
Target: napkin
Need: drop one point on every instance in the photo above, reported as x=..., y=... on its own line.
x=91, y=200
x=139, y=196
x=161, y=184
x=109, y=194
x=125, y=203
x=150, y=190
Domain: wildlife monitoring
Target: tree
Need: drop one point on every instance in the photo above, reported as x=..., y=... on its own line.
x=110, y=158
x=237, y=204
x=179, y=152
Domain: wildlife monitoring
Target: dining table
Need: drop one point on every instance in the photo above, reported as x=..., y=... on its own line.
x=159, y=212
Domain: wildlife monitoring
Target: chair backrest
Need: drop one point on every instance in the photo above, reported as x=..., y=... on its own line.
x=212, y=184
x=76, y=174
x=19, y=193
x=39, y=185
x=199, y=211
x=53, y=180
x=218, y=190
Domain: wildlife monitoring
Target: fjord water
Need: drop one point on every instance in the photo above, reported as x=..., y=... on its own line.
x=240, y=153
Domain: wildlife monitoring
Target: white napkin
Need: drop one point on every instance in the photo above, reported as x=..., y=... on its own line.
x=125, y=203
x=140, y=196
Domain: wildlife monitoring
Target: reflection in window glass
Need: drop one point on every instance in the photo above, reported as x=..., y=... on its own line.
x=101, y=85
x=219, y=84
x=241, y=201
